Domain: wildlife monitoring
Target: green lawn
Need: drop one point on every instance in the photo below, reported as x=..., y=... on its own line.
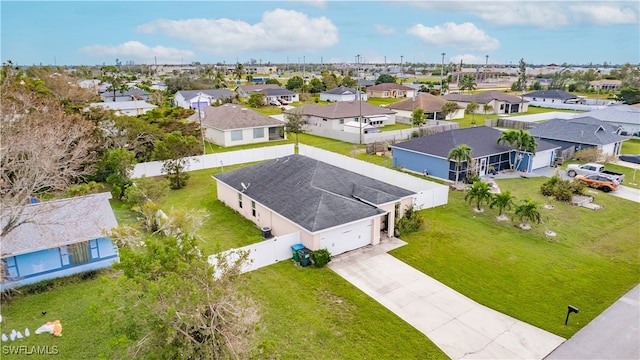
x=383, y=101
x=591, y=263
x=631, y=146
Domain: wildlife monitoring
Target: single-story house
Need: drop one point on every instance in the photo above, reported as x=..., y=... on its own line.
x=428, y=154
x=130, y=94
x=390, y=90
x=280, y=94
x=231, y=125
x=430, y=104
x=342, y=93
x=92, y=85
x=626, y=117
x=605, y=85
x=245, y=90
x=334, y=116
x=365, y=82
x=130, y=108
x=580, y=133
x=331, y=208
x=60, y=238
x=552, y=96
x=500, y=103
x=199, y=99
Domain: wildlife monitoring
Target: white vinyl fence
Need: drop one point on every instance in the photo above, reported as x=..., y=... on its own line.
x=154, y=168
x=428, y=194
x=264, y=253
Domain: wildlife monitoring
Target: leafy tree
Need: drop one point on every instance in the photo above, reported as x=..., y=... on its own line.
x=468, y=82
x=560, y=79
x=295, y=124
x=118, y=165
x=503, y=201
x=171, y=303
x=329, y=80
x=118, y=82
x=273, y=81
x=486, y=108
x=536, y=86
x=528, y=211
x=385, y=78
x=173, y=151
x=249, y=78
x=629, y=95
x=460, y=154
x=295, y=83
x=218, y=80
x=316, y=86
x=449, y=108
x=256, y=100
x=238, y=71
x=471, y=109
x=479, y=193
x=521, y=83
x=348, y=81
x=417, y=117
x=146, y=189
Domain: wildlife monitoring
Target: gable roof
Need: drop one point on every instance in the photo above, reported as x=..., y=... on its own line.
x=427, y=102
x=213, y=93
x=277, y=92
x=551, y=94
x=311, y=193
x=341, y=90
x=342, y=109
x=252, y=88
x=61, y=222
x=627, y=114
x=132, y=91
x=483, y=141
x=484, y=97
x=583, y=130
x=389, y=86
x=229, y=117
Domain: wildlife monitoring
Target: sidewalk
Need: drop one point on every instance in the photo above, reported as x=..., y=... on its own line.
x=459, y=326
x=614, y=334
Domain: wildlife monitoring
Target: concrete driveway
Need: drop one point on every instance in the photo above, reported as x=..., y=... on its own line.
x=459, y=326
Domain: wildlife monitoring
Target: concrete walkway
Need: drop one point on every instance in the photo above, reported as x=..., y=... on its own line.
x=614, y=334
x=459, y=326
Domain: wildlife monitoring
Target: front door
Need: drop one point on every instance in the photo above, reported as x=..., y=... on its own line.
x=482, y=168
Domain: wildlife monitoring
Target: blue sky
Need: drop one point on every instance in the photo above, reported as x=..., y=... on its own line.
x=541, y=32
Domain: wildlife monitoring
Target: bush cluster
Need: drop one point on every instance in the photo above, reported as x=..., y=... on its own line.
x=562, y=190
x=320, y=257
x=411, y=221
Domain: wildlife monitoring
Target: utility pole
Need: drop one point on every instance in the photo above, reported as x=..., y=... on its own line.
x=360, y=117
x=401, y=64
x=441, y=75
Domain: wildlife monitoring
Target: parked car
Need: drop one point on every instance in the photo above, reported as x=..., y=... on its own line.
x=274, y=103
x=593, y=169
x=630, y=158
x=596, y=181
x=283, y=101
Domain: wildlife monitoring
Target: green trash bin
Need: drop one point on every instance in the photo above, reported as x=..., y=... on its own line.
x=304, y=255
x=295, y=249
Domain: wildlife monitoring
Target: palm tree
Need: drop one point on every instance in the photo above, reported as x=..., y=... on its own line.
x=528, y=211
x=471, y=109
x=503, y=201
x=468, y=82
x=239, y=70
x=460, y=154
x=218, y=80
x=448, y=108
x=479, y=192
x=486, y=107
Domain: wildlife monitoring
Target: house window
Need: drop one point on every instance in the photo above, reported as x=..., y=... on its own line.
x=341, y=121
x=240, y=200
x=324, y=119
x=253, y=208
x=258, y=133
x=386, y=93
x=10, y=267
x=79, y=253
x=501, y=106
x=236, y=135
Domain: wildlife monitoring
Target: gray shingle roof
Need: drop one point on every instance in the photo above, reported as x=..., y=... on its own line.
x=482, y=140
x=59, y=222
x=551, y=94
x=484, y=97
x=312, y=194
x=343, y=109
x=426, y=102
x=341, y=90
x=622, y=114
x=252, y=88
x=214, y=93
x=583, y=130
x=228, y=117
x=277, y=92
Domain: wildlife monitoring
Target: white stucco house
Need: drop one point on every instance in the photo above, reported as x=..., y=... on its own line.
x=130, y=108
x=342, y=93
x=199, y=99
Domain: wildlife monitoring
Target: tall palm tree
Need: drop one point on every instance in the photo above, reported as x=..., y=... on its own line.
x=460, y=154
x=479, y=192
x=528, y=211
x=239, y=70
x=218, y=80
x=503, y=201
x=519, y=140
x=468, y=82
x=471, y=109
x=486, y=108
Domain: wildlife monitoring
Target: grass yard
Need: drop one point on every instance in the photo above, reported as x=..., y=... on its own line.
x=590, y=264
x=631, y=146
x=383, y=101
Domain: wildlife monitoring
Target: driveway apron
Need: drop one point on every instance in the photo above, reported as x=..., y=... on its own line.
x=459, y=326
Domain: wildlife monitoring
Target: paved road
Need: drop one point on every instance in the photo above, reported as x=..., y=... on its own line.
x=628, y=193
x=614, y=334
x=459, y=326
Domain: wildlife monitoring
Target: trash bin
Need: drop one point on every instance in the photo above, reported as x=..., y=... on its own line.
x=304, y=255
x=294, y=249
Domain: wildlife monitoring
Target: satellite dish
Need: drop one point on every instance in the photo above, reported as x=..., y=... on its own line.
x=244, y=187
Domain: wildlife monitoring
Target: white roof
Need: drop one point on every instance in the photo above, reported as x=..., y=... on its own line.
x=124, y=105
x=57, y=223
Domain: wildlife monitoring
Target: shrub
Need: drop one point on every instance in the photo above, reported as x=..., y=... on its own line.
x=472, y=178
x=588, y=155
x=411, y=221
x=561, y=190
x=320, y=257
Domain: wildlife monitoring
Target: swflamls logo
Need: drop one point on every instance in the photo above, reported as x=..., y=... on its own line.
x=30, y=350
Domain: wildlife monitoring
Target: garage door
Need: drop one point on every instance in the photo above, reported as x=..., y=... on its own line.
x=542, y=159
x=347, y=238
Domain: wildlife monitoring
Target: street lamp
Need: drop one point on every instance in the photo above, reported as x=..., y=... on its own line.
x=441, y=75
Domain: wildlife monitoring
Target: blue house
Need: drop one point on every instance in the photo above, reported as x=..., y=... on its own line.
x=428, y=154
x=59, y=238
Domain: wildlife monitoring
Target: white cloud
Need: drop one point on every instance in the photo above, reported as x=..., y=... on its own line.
x=605, y=14
x=278, y=30
x=135, y=50
x=465, y=36
x=317, y=3
x=384, y=29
